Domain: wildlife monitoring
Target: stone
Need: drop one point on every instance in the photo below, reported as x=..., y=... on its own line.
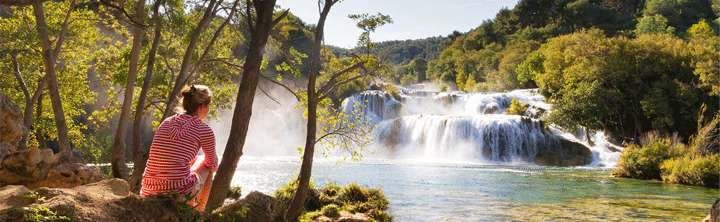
x=69, y=175
x=565, y=153
x=14, y=196
x=349, y=217
x=26, y=166
x=11, y=120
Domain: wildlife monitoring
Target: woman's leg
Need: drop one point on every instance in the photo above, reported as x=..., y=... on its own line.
x=205, y=182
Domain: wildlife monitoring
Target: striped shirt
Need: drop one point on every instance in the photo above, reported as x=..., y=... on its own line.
x=173, y=151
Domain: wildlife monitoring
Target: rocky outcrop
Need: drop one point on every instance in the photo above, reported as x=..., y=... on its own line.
x=12, y=128
x=566, y=153
x=34, y=167
x=108, y=200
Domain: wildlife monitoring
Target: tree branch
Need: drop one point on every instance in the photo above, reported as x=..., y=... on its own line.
x=332, y=82
x=214, y=38
x=19, y=77
x=281, y=17
x=286, y=87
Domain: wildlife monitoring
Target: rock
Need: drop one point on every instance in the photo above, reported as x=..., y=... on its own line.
x=69, y=175
x=349, y=217
x=26, y=166
x=14, y=196
x=12, y=127
x=107, y=200
x=255, y=206
x=566, y=153
x=714, y=215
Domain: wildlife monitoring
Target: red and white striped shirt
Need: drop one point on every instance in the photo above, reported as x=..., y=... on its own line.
x=174, y=149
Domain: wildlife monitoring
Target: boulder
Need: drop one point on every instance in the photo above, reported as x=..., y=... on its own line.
x=14, y=196
x=69, y=175
x=350, y=217
x=565, y=153
x=26, y=166
x=255, y=206
x=12, y=127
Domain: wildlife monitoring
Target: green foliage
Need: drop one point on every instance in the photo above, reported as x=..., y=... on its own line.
x=623, y=86
x=700, y=170
x=334, y=198
x=644, y=162
x=517, y=108
x=38, y=213
x=654, y=24
x=330, y=210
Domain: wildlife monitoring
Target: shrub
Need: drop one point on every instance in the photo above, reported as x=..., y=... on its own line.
x=332, y=198
x=643, y=162
x=701, y=170
x=353, y=193
x=329, y=194
x=330, y=210
x=516, y=108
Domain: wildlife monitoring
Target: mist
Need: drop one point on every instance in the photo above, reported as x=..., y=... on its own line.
x=277, y=126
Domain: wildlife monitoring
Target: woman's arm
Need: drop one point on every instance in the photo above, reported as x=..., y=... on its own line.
x=207, y=143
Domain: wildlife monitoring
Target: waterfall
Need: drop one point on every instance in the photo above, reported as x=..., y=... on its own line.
x=494, y=137
x=472, y=127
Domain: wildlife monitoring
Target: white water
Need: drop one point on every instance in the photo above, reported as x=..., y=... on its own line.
x=456, y=126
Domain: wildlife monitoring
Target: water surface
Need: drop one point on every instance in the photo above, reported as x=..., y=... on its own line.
x=423, y=191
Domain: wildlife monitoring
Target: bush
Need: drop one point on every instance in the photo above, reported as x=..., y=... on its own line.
x=285, y=194
x=330, y=210
x=516, y=108
x=701, y=170
x=643, y=162
x=353, y=193
x=332, y=198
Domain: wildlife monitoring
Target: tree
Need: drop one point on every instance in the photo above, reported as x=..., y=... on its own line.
x=318, y=93
x=119, y=169
x=654, y=24
x=183, y=75
x=139, y=153
x=260, y=26
x=52, y=80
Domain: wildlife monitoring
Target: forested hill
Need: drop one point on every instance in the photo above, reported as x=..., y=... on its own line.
x=488, y=55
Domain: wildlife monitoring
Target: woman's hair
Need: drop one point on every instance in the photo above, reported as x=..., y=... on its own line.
x=194, y=97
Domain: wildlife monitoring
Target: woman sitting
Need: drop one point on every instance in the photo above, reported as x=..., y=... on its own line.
x=173, y=166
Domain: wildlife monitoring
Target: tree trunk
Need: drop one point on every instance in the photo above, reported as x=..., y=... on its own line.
x=140, y=153
x=39, y=134
x=27, y=119
x=297, y=204
x=52, y=81
x=208, y=15
x=119, y=169
x=260, y=32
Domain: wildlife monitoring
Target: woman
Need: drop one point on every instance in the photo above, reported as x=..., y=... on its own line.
x=173, y=165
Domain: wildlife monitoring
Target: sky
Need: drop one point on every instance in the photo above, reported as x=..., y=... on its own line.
x=413, y=19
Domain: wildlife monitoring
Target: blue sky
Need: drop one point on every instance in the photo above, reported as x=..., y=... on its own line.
x=413, y=19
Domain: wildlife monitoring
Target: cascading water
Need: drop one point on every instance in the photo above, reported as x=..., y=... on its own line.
x=469, y=127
